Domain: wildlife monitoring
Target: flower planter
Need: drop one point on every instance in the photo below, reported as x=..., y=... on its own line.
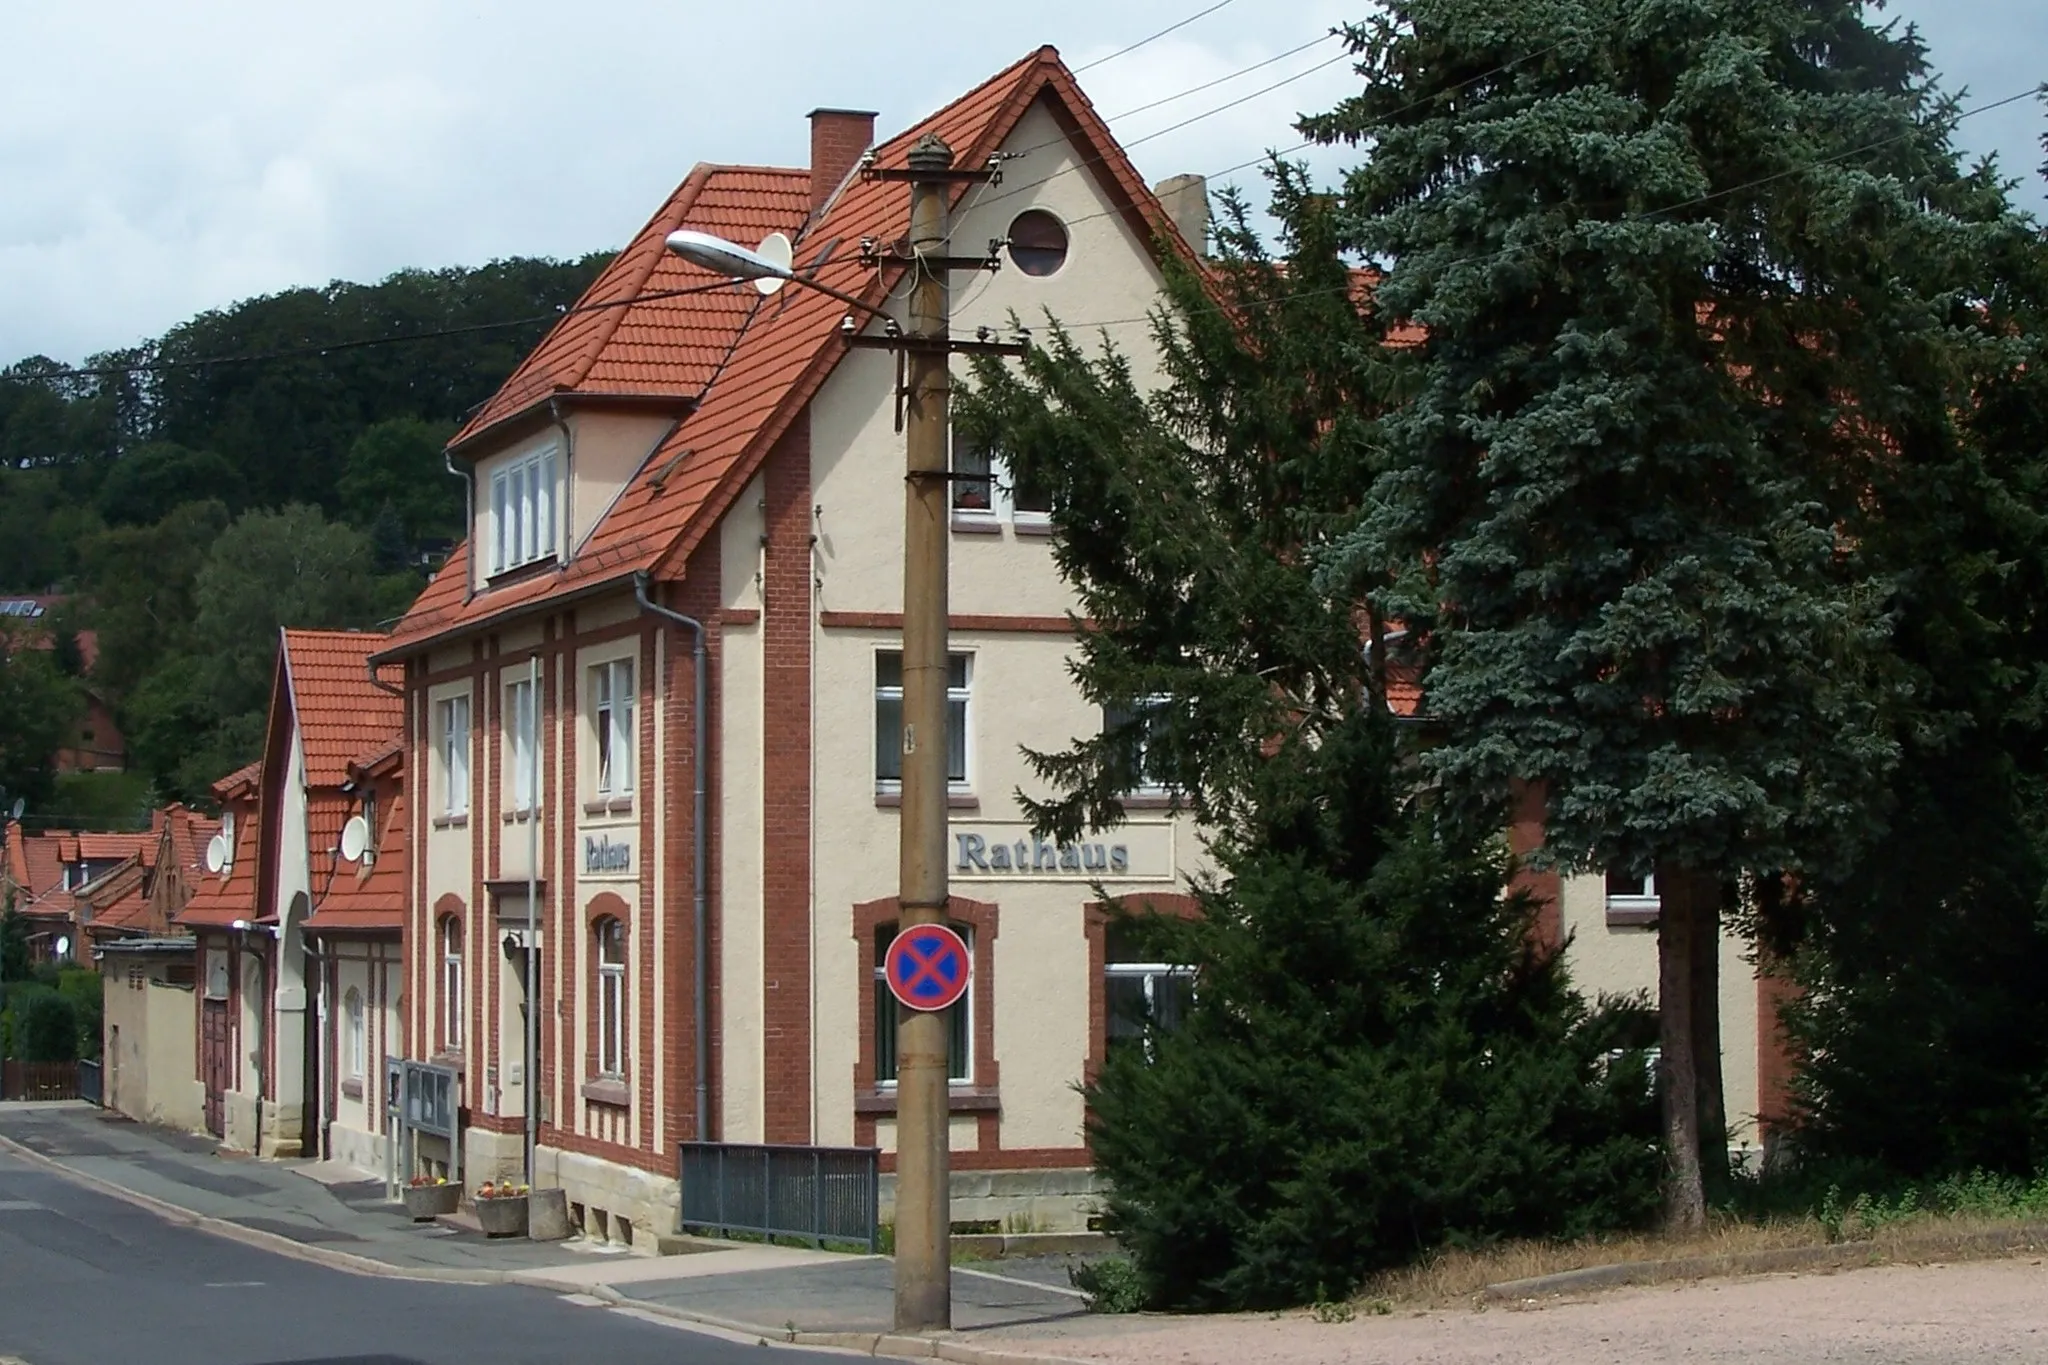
x=503, y=1215
x=425, y=1203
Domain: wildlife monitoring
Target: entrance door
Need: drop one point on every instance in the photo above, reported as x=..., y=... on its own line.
x=216, y=1062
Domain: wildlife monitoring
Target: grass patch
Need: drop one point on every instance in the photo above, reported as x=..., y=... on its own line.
x=1954, y=1219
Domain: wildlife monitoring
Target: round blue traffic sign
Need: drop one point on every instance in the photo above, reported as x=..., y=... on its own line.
x=927, y=966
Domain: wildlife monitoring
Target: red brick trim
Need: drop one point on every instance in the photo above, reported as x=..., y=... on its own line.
x=1777, y=1059
x=984, y=918
x=786, y=790
x=893, y=620
x=603, y=906
x=1095, y=917
x=1545, y=889
x=449, y=907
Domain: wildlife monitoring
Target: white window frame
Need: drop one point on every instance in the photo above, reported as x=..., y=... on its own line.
x=1002, y=495
x=524, y=510
x=453, y=718
x=963, y=696
x=1648, y=900
x=355, y=1039
x=1143, y=707
x=884, y=997
x=1151, y=973
x=451, y=982
x=518, y=720
x=611, y=1000
x=614, y=727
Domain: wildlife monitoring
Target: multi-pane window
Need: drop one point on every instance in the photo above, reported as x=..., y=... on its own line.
x=520, y=739
x=611, y=692
x=1138, y=989
x=451, y=983
x=454, y=720
x=889, y=719
x=523, y=511
x=1146, y=717
x=611, y=997
x=959, y=1017
x=1637, y=891
x=985, y=486
x=355, y=1044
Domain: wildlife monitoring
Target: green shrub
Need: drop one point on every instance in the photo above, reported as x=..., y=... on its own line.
x=86, y=990
x=1111, y=1285
x=47, y=1028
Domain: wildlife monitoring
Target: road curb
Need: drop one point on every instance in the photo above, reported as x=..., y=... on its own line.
x=1836, y=1255
x=256, y=1237
x=888, y=1345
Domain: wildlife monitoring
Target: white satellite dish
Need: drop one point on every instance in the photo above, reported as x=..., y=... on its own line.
x=63, y=945
x=775, y=248
x=14, y=811
x=216, y=853
x=355, y=838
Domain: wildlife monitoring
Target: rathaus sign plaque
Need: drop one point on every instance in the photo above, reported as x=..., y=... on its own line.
x=1007, y=851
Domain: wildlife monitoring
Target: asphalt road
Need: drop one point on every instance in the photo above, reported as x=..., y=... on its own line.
x=90, y=1280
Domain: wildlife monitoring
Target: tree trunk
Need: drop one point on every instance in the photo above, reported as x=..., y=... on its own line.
x=1685, y=1204
x=1705, y=896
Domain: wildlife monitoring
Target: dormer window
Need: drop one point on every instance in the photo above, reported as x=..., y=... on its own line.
x=523, y=511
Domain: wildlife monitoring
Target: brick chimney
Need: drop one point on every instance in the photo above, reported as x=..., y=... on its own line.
x=838, y=137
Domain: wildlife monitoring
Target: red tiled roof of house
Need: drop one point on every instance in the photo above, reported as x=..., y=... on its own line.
x=243, y=777
x=371, y=895
x=616, y=341
x=340, y=714
x=190, y=833
x=784, y=349
x=217, y=900
x=115, y=903
x=35, y=863
x=96, y=847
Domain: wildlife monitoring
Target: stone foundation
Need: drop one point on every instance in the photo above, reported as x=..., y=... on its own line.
x=354, y=1147
x=281, y=1135
x=1053, y=1200
x=609, y=1201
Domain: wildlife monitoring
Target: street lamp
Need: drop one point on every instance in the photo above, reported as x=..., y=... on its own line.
x=768, y=267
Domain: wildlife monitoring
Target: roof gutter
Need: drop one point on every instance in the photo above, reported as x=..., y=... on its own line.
x=699, y=873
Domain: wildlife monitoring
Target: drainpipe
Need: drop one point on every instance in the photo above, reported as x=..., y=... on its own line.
x=568, y=497
x=468, y=476
x=699, y=874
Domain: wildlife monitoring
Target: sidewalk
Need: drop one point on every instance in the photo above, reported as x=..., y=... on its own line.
x=330, y=1214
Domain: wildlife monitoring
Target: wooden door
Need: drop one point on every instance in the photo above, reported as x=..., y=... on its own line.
x=216, y=1061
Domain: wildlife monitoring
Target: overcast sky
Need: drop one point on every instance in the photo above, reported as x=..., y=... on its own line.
x=162, y=159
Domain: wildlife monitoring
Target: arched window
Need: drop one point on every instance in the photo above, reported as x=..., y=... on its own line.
x=611, y=997
x=451, y=983
x=354, y=1042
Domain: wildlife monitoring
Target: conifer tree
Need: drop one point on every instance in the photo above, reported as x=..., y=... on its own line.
x=1375, y=1056
x=1691, y=276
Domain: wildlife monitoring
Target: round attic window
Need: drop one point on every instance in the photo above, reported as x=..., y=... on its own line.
x=1038, y=242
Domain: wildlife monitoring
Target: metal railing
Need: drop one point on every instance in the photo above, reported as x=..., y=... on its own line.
x=820, y=1194
x=90, y=1081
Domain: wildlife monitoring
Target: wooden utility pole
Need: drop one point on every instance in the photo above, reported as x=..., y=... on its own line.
x=924, y=1290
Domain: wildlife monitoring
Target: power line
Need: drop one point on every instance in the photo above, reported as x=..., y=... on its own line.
x=1643, y=216
x=359, y=343
x=1170, y=28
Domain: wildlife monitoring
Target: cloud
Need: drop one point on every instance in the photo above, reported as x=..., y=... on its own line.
x=161, y=160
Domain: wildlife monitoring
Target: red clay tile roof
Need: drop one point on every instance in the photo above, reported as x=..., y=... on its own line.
x=218, y=901
x=340, y=714
x=240, y=778
x=656, y=348
x=370, y=896
x=35, y=863
x=116, y=903
x=776, y=352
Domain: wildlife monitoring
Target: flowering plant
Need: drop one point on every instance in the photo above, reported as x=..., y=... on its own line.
x=504, y=1189
x=421, y=1181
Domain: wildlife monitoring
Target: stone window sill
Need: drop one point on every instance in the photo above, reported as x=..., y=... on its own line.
x=608, y=1092
x=1634, y=912
x=517, y=817
x=892, y=797
x=451, y=1059
x=1150, y=799
x=352, y=1089
x=977, y=523
x=959, y=1100
x=615, y=805
x=457, y=821
x=1032, y=524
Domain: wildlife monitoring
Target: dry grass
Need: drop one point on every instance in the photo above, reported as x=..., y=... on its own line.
x=1455, y=1276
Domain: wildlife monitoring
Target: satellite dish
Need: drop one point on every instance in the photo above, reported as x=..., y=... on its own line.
x=14, y=811
x=355, y=838
x=216, y=853
x=63, y=945
x=775, y=249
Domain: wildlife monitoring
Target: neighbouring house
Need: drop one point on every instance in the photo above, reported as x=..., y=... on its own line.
x=97, y=745
x=264, y=1037
x=149, y=1030
x=59, y=879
